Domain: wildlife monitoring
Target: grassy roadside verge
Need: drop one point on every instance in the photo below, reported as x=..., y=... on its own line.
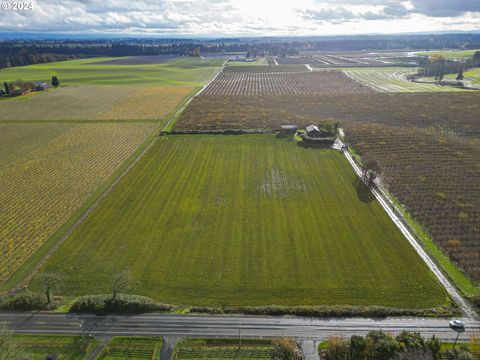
x=453, y=273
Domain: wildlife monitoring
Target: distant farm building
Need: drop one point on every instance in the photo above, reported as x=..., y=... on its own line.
x=38, y=86
x=288, y=129
x=313, y=131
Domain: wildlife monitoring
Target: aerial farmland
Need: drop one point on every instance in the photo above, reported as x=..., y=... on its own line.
x=130, y=165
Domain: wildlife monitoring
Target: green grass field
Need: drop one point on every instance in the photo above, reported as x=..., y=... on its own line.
x=180, y=71
x=91, y=90
x=471, y=77
x=245, y=220
x=189, y=349
x=66, y=347
x=132, y=348
x=449, y=54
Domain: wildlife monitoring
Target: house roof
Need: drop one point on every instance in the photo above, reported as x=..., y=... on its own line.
x=311, y=128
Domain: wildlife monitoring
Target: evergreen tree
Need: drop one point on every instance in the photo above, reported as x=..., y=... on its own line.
x=460, y=76
x=7, y=88
x=55, y=81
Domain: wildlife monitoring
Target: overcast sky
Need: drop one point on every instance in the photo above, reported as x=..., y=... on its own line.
x=241, y=17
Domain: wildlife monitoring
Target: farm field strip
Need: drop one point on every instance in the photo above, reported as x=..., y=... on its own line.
x=307, y=82
x=189, y=349
x=38, y=346
x=132, y=347
x=216, y=233
x=296, y=68
x=176, y=72
x=450, y=54
x=151, y=103
x=42, y=186
x=101, y=102
x=388, y=205
x=420, y=167
x=393, y=81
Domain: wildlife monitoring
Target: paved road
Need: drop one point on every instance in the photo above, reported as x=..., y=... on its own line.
x=225, y=326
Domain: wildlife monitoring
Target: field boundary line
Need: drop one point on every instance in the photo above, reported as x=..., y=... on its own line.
x=444, y=281
x=211, y=80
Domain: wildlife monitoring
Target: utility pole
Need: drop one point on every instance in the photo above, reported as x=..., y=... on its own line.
x=81, y=330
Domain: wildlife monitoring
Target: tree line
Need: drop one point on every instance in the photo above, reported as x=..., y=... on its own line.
x=27, y=52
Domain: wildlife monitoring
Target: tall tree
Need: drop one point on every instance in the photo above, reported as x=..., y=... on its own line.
x=7, y=88
x=371, y=170
x=55, y=81
x=50, y=283
x=460, y=75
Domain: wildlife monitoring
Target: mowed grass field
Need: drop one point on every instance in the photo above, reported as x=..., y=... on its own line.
x=48, y=171
x=245, y=220
x=449, y=54
x=91, y=89
x=179, y=71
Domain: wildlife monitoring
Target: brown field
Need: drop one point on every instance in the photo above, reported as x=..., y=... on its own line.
x=247, y=83
x=151, y=103
x=427, y=143
x=264, y=69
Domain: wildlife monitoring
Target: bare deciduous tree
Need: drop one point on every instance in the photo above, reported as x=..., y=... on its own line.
x=50, y=283
x=121, y=282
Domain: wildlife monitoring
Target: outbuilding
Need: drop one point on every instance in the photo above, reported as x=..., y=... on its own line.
x=313, y=131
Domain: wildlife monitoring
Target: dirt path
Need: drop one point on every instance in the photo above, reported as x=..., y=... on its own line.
x=168, y=345
x=101, y=345
x=389, y=207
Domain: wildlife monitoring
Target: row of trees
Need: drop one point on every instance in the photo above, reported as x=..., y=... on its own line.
x=378, y=345
x=51, y=282
x=438, y=66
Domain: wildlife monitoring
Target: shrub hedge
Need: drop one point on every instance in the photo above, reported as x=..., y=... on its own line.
x=134, y=304
x=27, y=301
x=329, y=311
x=122, y=304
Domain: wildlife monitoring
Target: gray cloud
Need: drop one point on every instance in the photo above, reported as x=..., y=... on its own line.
x=215, y=16
x=445, y=8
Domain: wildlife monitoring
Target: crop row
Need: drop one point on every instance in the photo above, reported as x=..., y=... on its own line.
x=324, y=82
x=457, y=114
x=43, y=187
x=436, y=178
x=192, y=351
x=152, y=103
